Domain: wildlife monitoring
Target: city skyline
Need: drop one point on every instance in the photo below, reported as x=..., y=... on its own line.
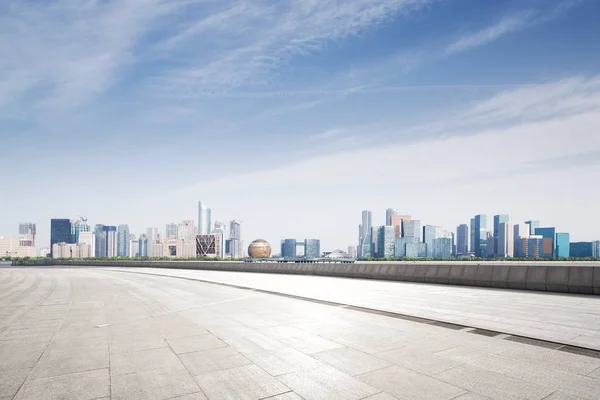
x=493, y=237
x=299, y=114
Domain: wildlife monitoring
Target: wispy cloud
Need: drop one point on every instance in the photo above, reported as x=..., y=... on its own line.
x=507, y=25
x=263, y=36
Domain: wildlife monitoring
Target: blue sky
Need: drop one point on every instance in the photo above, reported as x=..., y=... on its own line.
x=295, y=115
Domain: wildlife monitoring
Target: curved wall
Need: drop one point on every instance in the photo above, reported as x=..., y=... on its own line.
x=575, y=277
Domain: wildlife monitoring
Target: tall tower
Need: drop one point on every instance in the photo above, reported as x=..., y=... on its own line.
x=480, y=235
x=123, y=241
x=235, y=239
x=364, y=245
x=462, y=242
x=60, y=232
x=204, y=222
x=389, y=213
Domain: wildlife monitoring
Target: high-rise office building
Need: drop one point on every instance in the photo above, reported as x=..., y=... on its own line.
x=374, y=241
x=498, y=219
x=288, y=248
x=143, y=245
x=60, y=232
x=532, y=226
x=204, y=219
x=78, y=226
x=563, y=245
x=220, y=230
x=27, y=232
x=441, y=248
x=549, y=241
x=100, y=241
x=312, y=248
x=364, y=235
x=111, y=241
x=386, y=239
x=397, y=223
x=134, y=246
x=171, y=231
x=411, y=228
x=389, y=213
x=505, y=241
x=472, y=236
x=596, y=248
x=462, y=240
x=152, y=235
x=430, y=232
x=235, y=239
x=480, y=237
x=123, y=241
x=581, y=249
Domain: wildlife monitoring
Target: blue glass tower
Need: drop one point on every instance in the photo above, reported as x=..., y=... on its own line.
x=60, y=232
x=563, y=245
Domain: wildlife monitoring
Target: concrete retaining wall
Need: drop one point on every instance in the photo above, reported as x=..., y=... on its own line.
x=568, y=277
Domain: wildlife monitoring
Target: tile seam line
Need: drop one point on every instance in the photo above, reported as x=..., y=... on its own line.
x=391, y=314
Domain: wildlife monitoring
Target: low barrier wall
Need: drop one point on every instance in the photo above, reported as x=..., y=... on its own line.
x=568, y=277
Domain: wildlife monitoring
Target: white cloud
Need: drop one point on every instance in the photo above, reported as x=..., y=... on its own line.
x=528, y=169
x=507, y=25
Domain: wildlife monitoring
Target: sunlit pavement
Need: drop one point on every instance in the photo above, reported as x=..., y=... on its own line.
x=103, y=334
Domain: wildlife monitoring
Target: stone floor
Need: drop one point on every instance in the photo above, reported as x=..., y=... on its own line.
x=100, y=334
x=556, y=317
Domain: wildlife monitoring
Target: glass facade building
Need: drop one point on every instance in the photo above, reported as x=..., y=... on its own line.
x=312, y=248
x=430, y=232
x=60, y=232
x=549, y=241
x=123, y=240
x=400, y=245
x=442, y=248
x=143, y=246
x=532, y=226
x=581, y=249
x=480, y=236
x=411, y=228
x=288, y=248
x=204, y=219
x=171, y=231
x=462, y=239
x=386, y=239
x=563, y=245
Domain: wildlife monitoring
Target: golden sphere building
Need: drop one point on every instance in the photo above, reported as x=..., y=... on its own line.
x=259, y=249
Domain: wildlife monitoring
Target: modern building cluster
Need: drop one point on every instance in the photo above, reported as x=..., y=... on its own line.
x=404, y=237
x=22, y=245
x=76, y=239
x=310, y=248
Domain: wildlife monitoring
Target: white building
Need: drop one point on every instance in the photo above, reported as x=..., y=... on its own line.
x=44, y=252
x=506, y=240
x=86, y=239
x=134, y=248
x=10, y=247
x=72, y=250
x=186, y=239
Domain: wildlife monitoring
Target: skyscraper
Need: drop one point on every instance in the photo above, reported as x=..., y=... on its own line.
x=152, y=235
x=171, y=231
x=60, y=232
x=312, y=248
x=532, y=225
x=111, y=241
x=397, y=221
x=462, y=239
x=123, y=241
x=27, y=231
x=78, y=226
x=430, y=232
x=441, y=248
x=548, y=241
x=204, y=221
x=411, y=228
x=235, y=237
x=472, y=236
x=480, y=235
x=498, y=219
x=389, y=213
x=505, y=242
x=364, y=235
x=386, y=239
x=143, y=246
x=288, y=248
x=100, y=244
x=563, y=245
x=220, y=230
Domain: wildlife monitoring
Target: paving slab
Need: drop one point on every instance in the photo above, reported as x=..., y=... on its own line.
x=403, y=383
x=79, y=386
x=245, y=383
x=350, y=361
